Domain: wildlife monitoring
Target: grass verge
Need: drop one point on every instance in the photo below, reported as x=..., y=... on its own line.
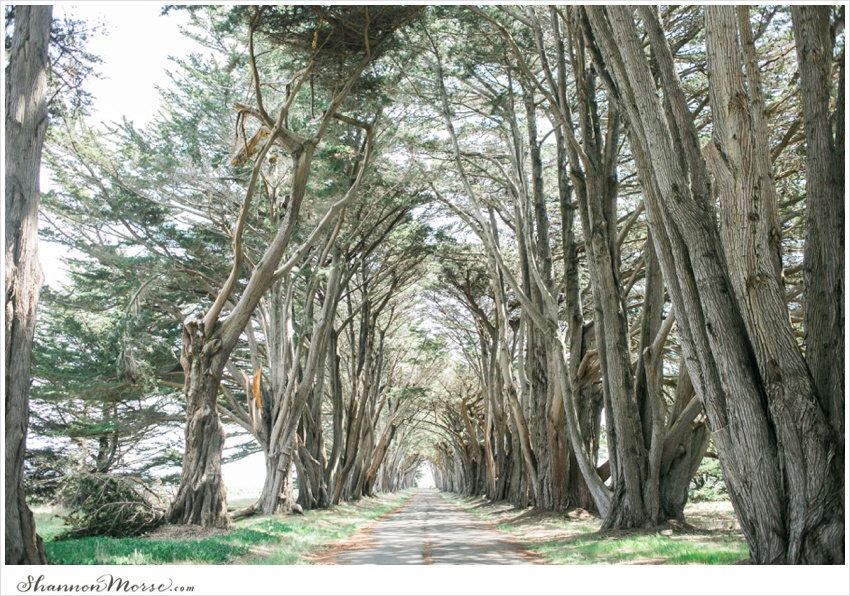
x=563, y=540
x=48, y=520
x=261, y=540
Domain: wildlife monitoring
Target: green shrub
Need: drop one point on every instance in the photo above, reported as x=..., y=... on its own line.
x=106, y=505
x=707, y=484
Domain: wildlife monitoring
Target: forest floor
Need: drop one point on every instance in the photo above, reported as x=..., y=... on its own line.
x=710, y=536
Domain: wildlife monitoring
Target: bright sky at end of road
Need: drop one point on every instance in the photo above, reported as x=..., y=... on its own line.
x=245, y=477
x=427, y=478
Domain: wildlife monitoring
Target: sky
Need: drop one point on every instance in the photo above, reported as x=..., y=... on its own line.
x=135, y=51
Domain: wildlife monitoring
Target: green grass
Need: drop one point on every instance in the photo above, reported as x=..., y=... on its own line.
x=240, y=501
x=140, y=551
x=599, y=549
x=266, y=540
x=48, y=521
x=583, y=544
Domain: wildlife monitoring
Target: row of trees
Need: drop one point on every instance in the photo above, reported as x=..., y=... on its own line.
x=661, y=292
x=300, y=327
x=632, y=264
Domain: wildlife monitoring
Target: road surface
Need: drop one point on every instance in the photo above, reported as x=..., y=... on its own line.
x=428, y=530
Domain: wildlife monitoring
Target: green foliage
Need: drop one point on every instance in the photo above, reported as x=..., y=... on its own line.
x=44, y=469
x=71, y=64
x=98, y=402
x=106, y=360
x=138, y=551
x=707, y=484
x=106, y=505
x=334, y=38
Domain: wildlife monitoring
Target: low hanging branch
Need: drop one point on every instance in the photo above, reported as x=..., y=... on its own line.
x=107, y=505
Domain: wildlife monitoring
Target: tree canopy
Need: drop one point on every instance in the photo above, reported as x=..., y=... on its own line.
x=552, y=255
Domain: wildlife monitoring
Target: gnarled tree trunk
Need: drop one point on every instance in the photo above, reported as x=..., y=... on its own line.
x=203, y=435
x=201, y=497
x=276, y=495
x=810, y=465
x=685, y=442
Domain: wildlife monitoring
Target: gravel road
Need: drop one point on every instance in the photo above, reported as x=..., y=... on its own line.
x=429, y=530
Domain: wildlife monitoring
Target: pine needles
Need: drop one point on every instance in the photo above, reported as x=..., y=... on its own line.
x=107, y=505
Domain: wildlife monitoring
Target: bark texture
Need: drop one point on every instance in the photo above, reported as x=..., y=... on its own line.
x=777, y=458
x=823, y=271
x=201, y=498
x=209, y=341
x=744, y=181
x=26, y=124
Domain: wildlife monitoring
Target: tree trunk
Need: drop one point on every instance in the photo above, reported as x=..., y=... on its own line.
x=589, y=412
x=551, y=446
x=377, y=458
x=311, y=452
x=627, y=452
x=595, y=182
x=677, y=474
x=203, y=435
x=685, y=442
x=201, y=497
x=811, y=462
x=26, y=124
x=649, y=377
x=331, y=471
x=770, y=433
x=587, y=397
x=823, y=271
x=282, y=437
x=276, y=496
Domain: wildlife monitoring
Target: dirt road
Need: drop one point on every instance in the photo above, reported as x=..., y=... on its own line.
x=429, y=530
